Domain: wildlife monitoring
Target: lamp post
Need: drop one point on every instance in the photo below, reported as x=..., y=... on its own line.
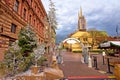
x=108, y=63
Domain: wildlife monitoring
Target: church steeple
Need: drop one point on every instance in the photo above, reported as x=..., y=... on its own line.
x=80, y=12
x=81, y=21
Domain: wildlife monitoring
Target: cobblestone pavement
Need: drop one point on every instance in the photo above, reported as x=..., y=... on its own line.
x=72, y=66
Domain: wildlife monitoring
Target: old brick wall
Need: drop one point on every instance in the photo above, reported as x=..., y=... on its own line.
x=34, y=16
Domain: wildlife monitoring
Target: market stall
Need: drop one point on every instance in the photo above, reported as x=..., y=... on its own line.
x=114, y=59
x=111, y=48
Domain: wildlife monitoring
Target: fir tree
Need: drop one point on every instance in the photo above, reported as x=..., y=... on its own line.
x=27, y=40
x=52, y=15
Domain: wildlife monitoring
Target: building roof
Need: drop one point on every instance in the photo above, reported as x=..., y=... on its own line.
x=80, y=34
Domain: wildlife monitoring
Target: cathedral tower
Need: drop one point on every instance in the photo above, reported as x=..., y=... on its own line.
x=81, y=21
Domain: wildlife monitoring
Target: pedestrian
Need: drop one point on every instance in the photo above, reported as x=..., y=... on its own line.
x=59, y=59
x=85, y=55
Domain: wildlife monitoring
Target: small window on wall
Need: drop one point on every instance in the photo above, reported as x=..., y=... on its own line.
x=34, y=23
x=35, y=8
x=13, y=28
x=24, y=13
x=1, y=29
x=16, y=5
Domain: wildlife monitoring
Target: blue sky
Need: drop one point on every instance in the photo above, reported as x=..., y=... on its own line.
x=100, y=14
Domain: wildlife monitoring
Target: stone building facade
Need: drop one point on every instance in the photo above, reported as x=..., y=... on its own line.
x=15, y=14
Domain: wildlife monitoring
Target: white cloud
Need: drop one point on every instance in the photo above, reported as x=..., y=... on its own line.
x=60, y=26
x=102, y=14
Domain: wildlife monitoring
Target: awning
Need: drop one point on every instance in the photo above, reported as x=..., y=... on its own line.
x=115, y=43
x=106, y=44
x=110, y=44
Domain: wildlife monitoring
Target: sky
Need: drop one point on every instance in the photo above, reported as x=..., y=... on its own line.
x=103, y=15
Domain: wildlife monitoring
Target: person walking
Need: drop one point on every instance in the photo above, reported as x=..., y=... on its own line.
x=59, y=59
x=85, y=55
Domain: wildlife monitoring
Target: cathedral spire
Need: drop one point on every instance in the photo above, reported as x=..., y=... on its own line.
x=81, y=21
x=80, y=15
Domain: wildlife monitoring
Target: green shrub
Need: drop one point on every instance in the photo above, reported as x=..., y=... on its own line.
x=96, y=51
x=77, y=51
